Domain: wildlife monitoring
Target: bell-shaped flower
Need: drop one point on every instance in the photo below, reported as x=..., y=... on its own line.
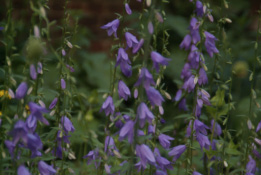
x=150, y=27
x=131, y=40
x=251, y=166
x=158, y=60
x=128, y=9
x=194, y=30
x=108, y=106
x=53, y=103
x=67, y=124
x=123, y=90
x=112, y=27
x=185, y=44
x=144, y=114
x=34, y=143
x=63, y=84
x=145, y=154
x=210, y=43
x=202, y=79
x=93, y=156
x=199, y=9
x=127, y=131
x=202, y=140
x=22, y=170
x=145, y=79
x=124, y=62
x=217, y=129
x=183, y=104
x=258, y=126
x=186, y=72
x=196, y=173
x=189, y=84
x=137, y=47
x=33, y=72
x=154, y=96
x=109, y=145
x=162, y=162
x=194, y=57
x=165, y=140
x=39, y=68
x=45, y=169
x=21, y=91
x=177, y=151
x=19, y=132
x=10, y=146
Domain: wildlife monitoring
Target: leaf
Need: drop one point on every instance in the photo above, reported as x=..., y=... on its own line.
x=232, y=151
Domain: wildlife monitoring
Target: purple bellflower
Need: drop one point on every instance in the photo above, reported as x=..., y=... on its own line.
x=22, y=170
x=67, y=124
x=158, y=60
x=186, y=73
x=217, y=130
x=199, y=9
x=93, y=156
x=133, y=43
x=53, y=103
x=202, y=79
x=145, y=154
x=210, y=43
x=144, y=114
x=194, y=30
x=258, y=126
x=21, y=91
x=109, y=145
x=112, y=27
x=39, y=68
x=177, y=151
x=162, y=162
x=178, y=95
x=124, y=62
x=150, y=27
x=123, y=90
x=19, y=132
x=165, y=140
x=127, y=131
x=10, y=146
x=154, y=96
x=185, y=44
x=189, y=84
x=128, y=9
x=194, y=57
x=33, y=72
x=183, y=104
x=108, y=106
x=45, y=169
x=196, y=173
x=63, y=84
x=251, y=166
x=145, y=78
x=34, y=143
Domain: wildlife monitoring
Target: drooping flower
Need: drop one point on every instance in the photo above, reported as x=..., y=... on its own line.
x=10, y=146
x=186, y=73
x=45, y=169
x=189, y=84
x=196, y=173
x=131, y=40
x=165, y=140
x=145, y=154
x=112, y=27
x=202, y=79
x=123, y=90
x=194, y=30
x=199, y=9
x=108, y=106
x=217, y=129
x=162, y=162
x=67, y=124
x=159, y=17
x=63, y=84
x=21, y=91
x=137, y=47
x=183, y=104
x=19, y=132
x=145, y=78
x=202, y=140
x=150, y=27
x=185, y=44
x=194, y=57
x=34, y=143
x=127, y=131
x=109, y=145
x=39, y=68
x=53, y=103
x=124, y=62
x=210, y=43
x=71, y=69
x=33, y=72
x=177, y=151
x=178, y=95
x=154, y=96
x=36, y=114
x=251, y=166
x=258, y=126
x=128, y=9
x=158, y=60
x=22, y=170
x=144, y=114
x=93, y=156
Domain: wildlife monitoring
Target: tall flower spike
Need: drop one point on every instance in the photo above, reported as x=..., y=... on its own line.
x=108, y=106
x=144, y=114
x=158, y=60
x=112, y=27
x=21, y=91
x=123, y=90
x=145, y=78
x=154, y=96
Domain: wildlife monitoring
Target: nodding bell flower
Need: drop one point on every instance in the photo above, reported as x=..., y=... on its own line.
x=21, y=91
x=108, y=106
x=112, y=27
x=123, y=90
x=158, y=60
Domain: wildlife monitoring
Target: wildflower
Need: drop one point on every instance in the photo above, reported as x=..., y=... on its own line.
x=161, y=161
x=183, y=104
x=196, y=173
x=22, y=170
x=63, y=84
x=133, y=43
x=150, y=27
x=154, y=96
x=202, y=79
x=145, y=154
x=36, y=114
x=123, y=60
x=258, y=126
x=258, y=141
x=158, y=59
x=67, y=124
x=144, y=114
x=33, y=72
x=128, y=9
x=178, y=95
x=186, y=73
x=217, y=130
x=159, y=17
x=251, y=166
x=53, y=103
x=45, y=169
x=93, y=156
x=177, y=151
x=123, y=90
x=10, y=146
x=21, y=91
x=194, y=30
x=19, y=132
x=137, y=47
x=151, y=129
x=10, y=94
x=112, y=27
x=109, y=145
x=108, y=106
x=202, y=140
x=71, y=69
x=185, y=44
x=165, y=140
x=127, y=131
x=39, y=68
x=194, y=57
x=145, y=78
x=199, y=9
x=189, y=84
x=210, y=43
x=34, y=143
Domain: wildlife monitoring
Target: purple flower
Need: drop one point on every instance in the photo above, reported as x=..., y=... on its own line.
x=258, y=126
x=137, y=47
x=194, y=57
x=67, y=124
x=185, y=44
x=10, y=146
x=124, y=62
x=150, y=27
x=45, y=169
x=39, y=68
x=257, y=154
x=158, y=59
x=19, y=132
x=33, y=72
x=177, y=151
x=128, y=9
x=202, y=79
x=63, y=84
x=162, y=162
x=127, y=131
x=36, y=114
x=154, y=96
x=93, y=156
x=202, y=140
x=144, y=114
x=22, y=170
x=189, y=84
x=112, y=27
x=145, y=78
x=196, y=173
x=131, y=40
x=123, y=90
x=53, y=103
x=217, y=130
x=21, y=91
x=178, y=95
x=108, y=106
x=145, y=154
x=151, y=129
x=183, y=104
x=159, y=17
x=186, y=73
x=199, y=9
x=194, y=30
x=71, y=69
x=251, y=166
x=165, y=140
x=34, y=143
x=210, y=43
x=109, y=145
